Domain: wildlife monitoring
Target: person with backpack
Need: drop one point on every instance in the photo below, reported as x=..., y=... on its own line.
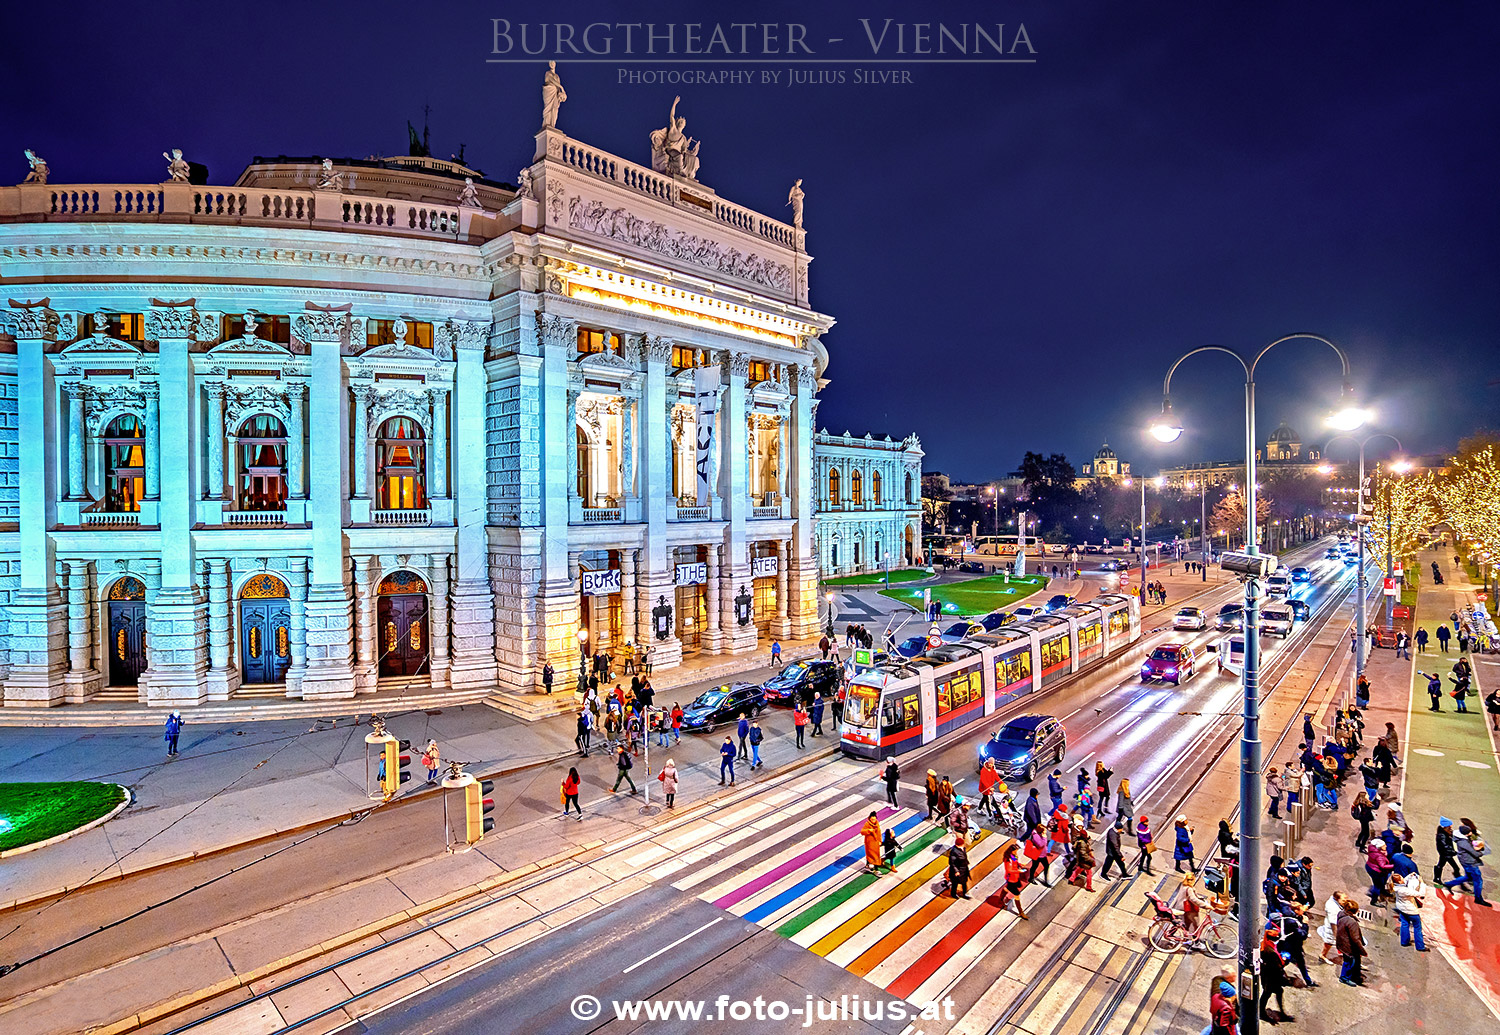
x=892, y=775
x=756, y=737
x=623, y=765
x=584, y=726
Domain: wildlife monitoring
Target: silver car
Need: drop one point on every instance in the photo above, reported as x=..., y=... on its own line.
x=1190, y=618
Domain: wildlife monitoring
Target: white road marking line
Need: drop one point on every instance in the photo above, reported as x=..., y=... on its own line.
x=674, y=945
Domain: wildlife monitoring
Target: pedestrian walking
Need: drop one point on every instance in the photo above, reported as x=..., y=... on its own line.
x=1124, y=803
x=1492, y=705
x=1350, y=941
x=1102, y=775
x=1036, y=852
x=1183, y=849
x=676, y=723
x=932, y=793
x=1273, y=980
x=570, y=784
x=1274, y=791
x=1447, y=850
x=989, y=780
x=1401, y=643
x=1364, y=812
x=1055, y=789
x=726, y=760
x=585, y=729
x=1223, y=1007
x=1032, y=812
x=889, y=848
x=824, y=645
x=799, y=719
x=174, y=730
x=623, y=765
x=431, y=761
x=892, y=776
x=815, y=715
x=1409, y=892
x=1379, y=866
x=1293, y=935
x=1112, y=853
x=775, y=652
x=958, y=871
x=1148, y=845
x=742, y=730
x=1471, y=851
x=871, y=833
x=1443, y=636
x=668, y=778
x=1013, y=882
x=1326, y=931
x=1421, y=641
x=838, y=704
x=756, y=737
x=945, y=797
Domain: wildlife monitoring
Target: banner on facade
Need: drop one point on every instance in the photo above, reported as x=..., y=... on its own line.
x=762, y=567
x=601, y=583
x=694, y=574
x=706, y=392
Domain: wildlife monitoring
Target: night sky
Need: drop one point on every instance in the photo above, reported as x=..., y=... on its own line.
x=1014, y=252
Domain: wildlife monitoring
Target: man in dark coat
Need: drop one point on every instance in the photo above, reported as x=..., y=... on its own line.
x=958, y=871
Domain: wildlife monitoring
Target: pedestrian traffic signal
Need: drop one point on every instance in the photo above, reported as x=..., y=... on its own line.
x=396, y=770
x=477, y=807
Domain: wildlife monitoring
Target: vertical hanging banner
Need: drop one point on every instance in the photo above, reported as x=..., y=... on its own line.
x=706, y=389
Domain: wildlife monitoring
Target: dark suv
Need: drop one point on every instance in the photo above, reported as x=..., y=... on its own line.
x=1024, y=745
x=722, y=704
x=803, y=678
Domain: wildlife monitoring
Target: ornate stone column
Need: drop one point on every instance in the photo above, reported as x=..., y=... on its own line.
x=438, y=656
x=295, y=448
x=367, y=640
x=627, y=597
x=627, y=448
x=801, y=502
x=83, y=680
x=570, y=445
x=439, y=443
x=298, y=626
x=151, y=453
x=76, y=435
x=781, y=628
x=214, y=433
x=359, y=413
x=223, y=677
x=472, y=628
x=232, y=470
x=713, y=638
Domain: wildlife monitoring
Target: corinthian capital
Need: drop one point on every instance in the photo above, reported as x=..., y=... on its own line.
x=657, y=348
x=178, y=321
x=323, y=327
x=737, y=364
x=38, y=320
x=556, y=331
x=464, y=335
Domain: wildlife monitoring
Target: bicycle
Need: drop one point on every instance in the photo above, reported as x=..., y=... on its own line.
x=1169, y=931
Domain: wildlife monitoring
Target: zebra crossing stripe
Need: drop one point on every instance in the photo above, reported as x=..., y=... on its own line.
x=773, y=875
x=827, y=873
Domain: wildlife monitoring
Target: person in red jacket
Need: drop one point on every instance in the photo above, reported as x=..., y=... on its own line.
x=1013, y=883
x=570, y=792
x=1223, y=1007
x=799, y=718
x=989, y=778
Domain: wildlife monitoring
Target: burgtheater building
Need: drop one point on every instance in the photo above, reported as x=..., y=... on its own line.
x=377, y=422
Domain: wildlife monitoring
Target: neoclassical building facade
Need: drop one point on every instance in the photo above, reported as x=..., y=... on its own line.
x=869, y=510
x=384, y=422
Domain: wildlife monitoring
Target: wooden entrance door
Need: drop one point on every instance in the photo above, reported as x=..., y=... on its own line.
x=403, y=634
x=127, y=641
x=265, y=640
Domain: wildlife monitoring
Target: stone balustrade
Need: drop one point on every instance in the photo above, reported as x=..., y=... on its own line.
x=405, y=518
x=111, y=519
x=254, y=518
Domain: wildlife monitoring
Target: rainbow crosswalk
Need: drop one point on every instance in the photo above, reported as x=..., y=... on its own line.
x=803, y=876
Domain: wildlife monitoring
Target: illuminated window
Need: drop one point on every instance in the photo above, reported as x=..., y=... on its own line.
x=590, y=341
x=383, y=332
x=1091, y=635
x=684, y=357
x=124, y=326
x=875, y=487
x=260, y=454
x=833, y=487
x=760, y=371
x=856, y=488
x=401, y=465
x=124, y=464
x=271, y=328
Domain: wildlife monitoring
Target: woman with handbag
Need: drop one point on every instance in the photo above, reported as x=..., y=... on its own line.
x=432, y=761
x=1036, y=851
x=570, y=791
x=1148, y=844
x=668, y=778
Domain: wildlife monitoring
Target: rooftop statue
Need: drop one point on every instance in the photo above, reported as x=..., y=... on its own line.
x=794, y=199
x=177, y=169
x=39, y=170
x=672, y=150
x=523, y=184
x=553, y=95
x=469, y=196
x=328, y=179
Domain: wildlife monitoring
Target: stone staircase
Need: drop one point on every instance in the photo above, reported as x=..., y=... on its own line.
x=241, y=708
x=534, y=707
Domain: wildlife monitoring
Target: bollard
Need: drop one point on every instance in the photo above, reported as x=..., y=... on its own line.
x=1290, y=834
x=1298, y=814
x=1278, y=847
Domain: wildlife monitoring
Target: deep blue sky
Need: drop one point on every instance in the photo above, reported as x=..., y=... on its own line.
x=1014, y=253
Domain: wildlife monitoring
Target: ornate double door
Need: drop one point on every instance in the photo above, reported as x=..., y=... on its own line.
x=265, y=640
x=127, y=642
x=403, y=634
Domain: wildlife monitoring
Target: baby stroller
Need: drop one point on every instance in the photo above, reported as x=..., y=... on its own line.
x=1007, y=816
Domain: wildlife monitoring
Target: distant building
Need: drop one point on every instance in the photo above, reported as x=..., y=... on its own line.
x=869, y=502
x=1283, y=455
x=1106, y=464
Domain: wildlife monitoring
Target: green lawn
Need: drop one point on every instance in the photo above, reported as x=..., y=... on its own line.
x=32, y=812
x=877, y=578
x=974, y=597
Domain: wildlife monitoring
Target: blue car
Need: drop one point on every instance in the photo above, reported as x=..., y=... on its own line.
x=1301, y=574
x=721, y=705
x=912, y=646
x=994, y=620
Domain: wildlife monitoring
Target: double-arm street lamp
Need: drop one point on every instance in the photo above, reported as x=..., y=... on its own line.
x=1348, y=417
x=1160, y=481
x=1361, y=622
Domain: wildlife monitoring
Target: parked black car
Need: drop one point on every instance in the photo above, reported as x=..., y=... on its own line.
x=803, y=678
x=973, y=567
x=721, y=705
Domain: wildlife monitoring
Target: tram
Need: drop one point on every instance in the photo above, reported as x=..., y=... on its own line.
x=897, y=707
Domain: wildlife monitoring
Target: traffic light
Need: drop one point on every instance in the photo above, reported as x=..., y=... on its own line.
x=397, y=763
x=477, y=807
x=1366, y=501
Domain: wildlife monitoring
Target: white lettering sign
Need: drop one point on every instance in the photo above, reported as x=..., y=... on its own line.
x=695, y=574
x=601, y=583
x=760, y=567
x=706, y=390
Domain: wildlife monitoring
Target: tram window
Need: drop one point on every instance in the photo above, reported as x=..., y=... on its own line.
x=1056, y=651
x=1090, y=635
x=944, y=697
x=898, y=714
x=911, y=711
x=1119, y=622
x=1013, y=668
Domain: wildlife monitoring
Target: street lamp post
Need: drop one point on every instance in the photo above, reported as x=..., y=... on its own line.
x=1159, y=481
x=1166, y=429
x=1203, y=526
x=1361, y=620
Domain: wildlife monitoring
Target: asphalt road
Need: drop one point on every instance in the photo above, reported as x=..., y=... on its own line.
x=666, y=945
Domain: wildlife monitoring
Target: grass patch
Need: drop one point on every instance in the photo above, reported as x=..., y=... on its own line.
x=975, y=596
x=877, y=578
x=32, y=812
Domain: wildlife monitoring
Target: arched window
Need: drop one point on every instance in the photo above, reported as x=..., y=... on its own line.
x=856, y=488
x=875, y=488
x=581, y=443
x=833, y=487
x=261, y=457
x=909, y=497
x=124, y=464
x=401, y=465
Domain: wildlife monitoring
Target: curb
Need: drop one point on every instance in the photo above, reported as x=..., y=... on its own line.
x=251, y=977
x=90, y=825
x=207, y=853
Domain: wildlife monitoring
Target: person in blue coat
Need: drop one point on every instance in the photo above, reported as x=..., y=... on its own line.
x=815, y=715
x=1183, y=849
x=743, y=731
x=1055, y=789
x=174, y=728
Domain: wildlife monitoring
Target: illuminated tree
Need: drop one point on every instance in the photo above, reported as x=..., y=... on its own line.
x=1468, y=497
x=1229, y=516
x=1405, y=510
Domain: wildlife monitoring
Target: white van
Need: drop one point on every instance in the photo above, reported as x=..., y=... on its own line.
x=1279, y=584
x=1276, y=619
x=1231, y=653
